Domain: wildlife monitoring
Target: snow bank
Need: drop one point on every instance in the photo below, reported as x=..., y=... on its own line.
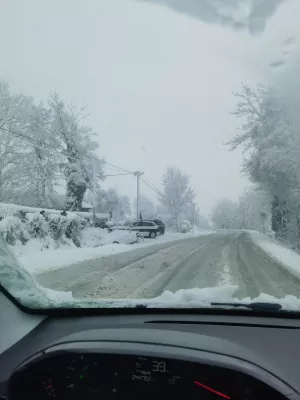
x=10, y=209
x=289, y=259
x=92, y=237
x=46, y=260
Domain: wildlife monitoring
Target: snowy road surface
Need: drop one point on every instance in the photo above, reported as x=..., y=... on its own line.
x=223, y=258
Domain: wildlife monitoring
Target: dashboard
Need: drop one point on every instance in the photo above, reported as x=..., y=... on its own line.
x=147, y=355
x=76, y=375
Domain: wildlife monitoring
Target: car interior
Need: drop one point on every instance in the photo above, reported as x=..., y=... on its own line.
x=122, y=353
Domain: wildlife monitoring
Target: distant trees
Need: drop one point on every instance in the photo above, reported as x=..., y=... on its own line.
x=109, y=201
x=224, y=214
x=147, y=207
x=177, y=193
x=251, y=211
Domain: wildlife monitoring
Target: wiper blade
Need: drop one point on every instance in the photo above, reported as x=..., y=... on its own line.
x=252, y=306
x=268, y=307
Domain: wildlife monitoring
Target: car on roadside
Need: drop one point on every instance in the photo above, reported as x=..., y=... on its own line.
x=160, y=224
x=146, y=228
x=122, y=237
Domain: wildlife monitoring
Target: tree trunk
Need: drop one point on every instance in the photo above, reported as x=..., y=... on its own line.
x=75, y=194
x=276, y=216
x=42, y=192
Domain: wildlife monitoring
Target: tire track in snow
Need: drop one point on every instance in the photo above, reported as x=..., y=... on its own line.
x=88, y=273
x=124, y=281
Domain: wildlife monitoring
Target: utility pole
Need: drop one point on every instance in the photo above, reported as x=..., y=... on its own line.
x=194, y=215
x=94, y=191
x=138, y=174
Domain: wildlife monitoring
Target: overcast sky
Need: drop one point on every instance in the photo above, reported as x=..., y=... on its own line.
x=157, y=82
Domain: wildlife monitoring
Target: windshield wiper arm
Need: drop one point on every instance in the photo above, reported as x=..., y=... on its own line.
x=252, y=306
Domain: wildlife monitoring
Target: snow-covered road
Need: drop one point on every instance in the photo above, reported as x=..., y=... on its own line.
x=204, y=261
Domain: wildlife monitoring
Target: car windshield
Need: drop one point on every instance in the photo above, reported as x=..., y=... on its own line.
x=149, y=154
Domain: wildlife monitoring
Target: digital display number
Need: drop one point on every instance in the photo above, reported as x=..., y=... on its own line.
x=159, y=366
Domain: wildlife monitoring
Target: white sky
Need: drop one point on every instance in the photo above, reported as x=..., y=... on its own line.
x=158, y=84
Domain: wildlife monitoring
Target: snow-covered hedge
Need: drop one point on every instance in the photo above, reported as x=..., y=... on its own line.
x=49, y=230
x=7, y=209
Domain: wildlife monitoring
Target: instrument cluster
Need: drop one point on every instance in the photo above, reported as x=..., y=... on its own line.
x=71, y=375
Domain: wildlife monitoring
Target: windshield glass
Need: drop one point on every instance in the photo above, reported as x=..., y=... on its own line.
x=118, y=113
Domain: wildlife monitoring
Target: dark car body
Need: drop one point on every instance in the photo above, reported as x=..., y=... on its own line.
x=160, y=224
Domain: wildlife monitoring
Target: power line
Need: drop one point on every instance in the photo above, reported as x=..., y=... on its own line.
x=126, y=173
x=51, y=149
x=28, y=138
x=119, y=168
x=151, y=187
x=155, y=189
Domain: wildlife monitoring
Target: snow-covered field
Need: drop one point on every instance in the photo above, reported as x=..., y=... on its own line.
x=35, y=261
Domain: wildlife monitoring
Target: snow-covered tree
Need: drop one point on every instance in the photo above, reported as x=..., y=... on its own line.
x=123, y=209
x=75, y=141
x=109, y=201
x=12, y=146
x=253, y=210
x=177, y=192
x=112, y=200
x=269, y=133
x=43, y=159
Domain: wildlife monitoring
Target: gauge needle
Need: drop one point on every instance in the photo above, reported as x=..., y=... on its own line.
x=212, y=390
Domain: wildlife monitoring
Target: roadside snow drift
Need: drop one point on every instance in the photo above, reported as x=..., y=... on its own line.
x=37, y=262
x=289, y=259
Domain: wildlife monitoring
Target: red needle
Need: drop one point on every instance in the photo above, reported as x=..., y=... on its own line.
x=212, y=390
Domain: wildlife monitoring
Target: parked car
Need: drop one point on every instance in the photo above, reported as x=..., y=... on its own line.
x=160, y=224
x=123, y=237
x=146, y=228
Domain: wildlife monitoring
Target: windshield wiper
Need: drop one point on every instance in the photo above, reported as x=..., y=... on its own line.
x=252, y=306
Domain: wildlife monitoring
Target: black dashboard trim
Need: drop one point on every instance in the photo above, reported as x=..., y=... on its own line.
x=240, y=324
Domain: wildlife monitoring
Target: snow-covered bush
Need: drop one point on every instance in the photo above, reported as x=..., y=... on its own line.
x=92, y=237
x=57, y=226
x=73, y=228
x=37, y=225
x=14, y=230
x=43, y=230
